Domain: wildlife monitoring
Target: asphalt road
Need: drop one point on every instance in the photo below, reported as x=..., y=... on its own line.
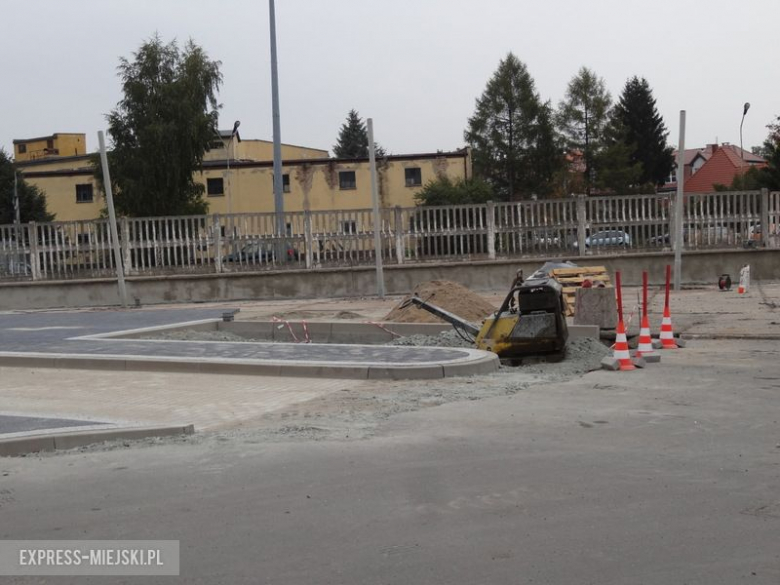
x=667, y=475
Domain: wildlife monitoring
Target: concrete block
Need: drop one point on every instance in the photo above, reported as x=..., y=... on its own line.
x=595, y=306
x=23, y=445
x=431, y=372
x=652, y=358
x=79, y=439
x=639, y=362
x=657, y=344
x=487, y=365
x=610, y=363
x=680, y=341
x=582, y=331
x=303, y=370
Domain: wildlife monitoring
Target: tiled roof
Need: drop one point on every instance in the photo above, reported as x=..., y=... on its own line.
x=721, y=168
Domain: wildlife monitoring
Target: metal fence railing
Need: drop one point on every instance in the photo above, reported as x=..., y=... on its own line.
x=576, y=226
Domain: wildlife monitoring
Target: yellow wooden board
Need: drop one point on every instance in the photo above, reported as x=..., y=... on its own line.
x=572, y=278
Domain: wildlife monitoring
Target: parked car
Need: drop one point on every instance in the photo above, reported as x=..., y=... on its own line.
x=607, y=238
x=665, y=239
x=260, y=253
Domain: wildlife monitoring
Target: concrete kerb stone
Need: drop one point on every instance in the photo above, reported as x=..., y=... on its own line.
x=70, y=440
x=610, y=363
x=352, y=371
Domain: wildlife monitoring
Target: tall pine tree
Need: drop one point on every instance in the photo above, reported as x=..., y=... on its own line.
x=514, y=144
x=583, y=116
x=645, y=132
x=353, y=139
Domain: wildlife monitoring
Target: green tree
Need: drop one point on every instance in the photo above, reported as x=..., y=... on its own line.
x=161, y=129
x=445, y=191
x=512, y=135
x=353, y=139
x=770, y=174
x=32, y=201
x=618, y=172
x=582, y=116
x=645, y=131
x=761, y=177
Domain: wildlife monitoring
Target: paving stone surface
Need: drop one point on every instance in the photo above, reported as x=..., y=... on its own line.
x=21, y=424
x=63, y=332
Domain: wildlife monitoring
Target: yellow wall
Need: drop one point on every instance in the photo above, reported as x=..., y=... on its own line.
x=261, y=150
x=61, y=197
x=62, y=145
x=248, y=187
x=315, y=186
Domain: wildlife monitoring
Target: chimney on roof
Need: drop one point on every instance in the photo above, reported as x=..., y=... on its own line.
x=712, y=148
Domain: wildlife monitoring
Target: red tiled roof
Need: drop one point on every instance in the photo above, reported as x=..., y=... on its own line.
x=721, y=168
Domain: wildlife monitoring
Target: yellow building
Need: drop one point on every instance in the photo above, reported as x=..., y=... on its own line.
x=44, y=147
x=238, y=178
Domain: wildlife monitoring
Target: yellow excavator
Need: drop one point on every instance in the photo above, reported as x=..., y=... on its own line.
x=531, y=322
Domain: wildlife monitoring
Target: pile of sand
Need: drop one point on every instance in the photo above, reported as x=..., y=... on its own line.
x=448, y=295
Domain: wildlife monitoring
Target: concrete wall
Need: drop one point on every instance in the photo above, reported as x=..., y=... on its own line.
x=698, y=268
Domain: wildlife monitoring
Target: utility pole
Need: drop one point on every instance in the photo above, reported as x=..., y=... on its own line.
x=17, y=211
x=380, y=277
x=120, y=270
x=678, y=206
x=281, y=231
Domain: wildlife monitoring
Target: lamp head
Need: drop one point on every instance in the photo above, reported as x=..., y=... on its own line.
x=238, y=123
x=747, y=107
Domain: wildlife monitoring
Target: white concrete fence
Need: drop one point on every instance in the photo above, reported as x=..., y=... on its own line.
x=557, y=228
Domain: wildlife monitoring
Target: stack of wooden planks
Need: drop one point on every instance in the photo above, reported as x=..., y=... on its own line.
x=571, y=279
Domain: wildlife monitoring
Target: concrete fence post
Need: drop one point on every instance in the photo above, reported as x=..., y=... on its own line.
x=398, y=228
x=309, y=238
x=582, y=223
x=765, y=227
x=490, y=217
x=216, y=228
x=124, y=238
x=35, y=259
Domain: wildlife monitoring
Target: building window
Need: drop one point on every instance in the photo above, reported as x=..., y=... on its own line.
x=285, y=182
x=22, y=148
x=215, y=187
x=50, y=144
x=413, y=177
x=349, y=226
x=347, y=180
x=84, y=193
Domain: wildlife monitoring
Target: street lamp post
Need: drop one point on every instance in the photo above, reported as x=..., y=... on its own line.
x=281, y=231
x=744, y=112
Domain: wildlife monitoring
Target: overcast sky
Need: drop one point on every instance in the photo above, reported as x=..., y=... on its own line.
x=415, y=66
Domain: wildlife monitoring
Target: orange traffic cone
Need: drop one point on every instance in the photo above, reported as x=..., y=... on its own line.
x=621, y=349
x=667, y=335
x=645, y=347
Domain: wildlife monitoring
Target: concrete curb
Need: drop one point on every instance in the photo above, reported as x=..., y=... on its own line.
x=69, y=440
x=353, y=371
